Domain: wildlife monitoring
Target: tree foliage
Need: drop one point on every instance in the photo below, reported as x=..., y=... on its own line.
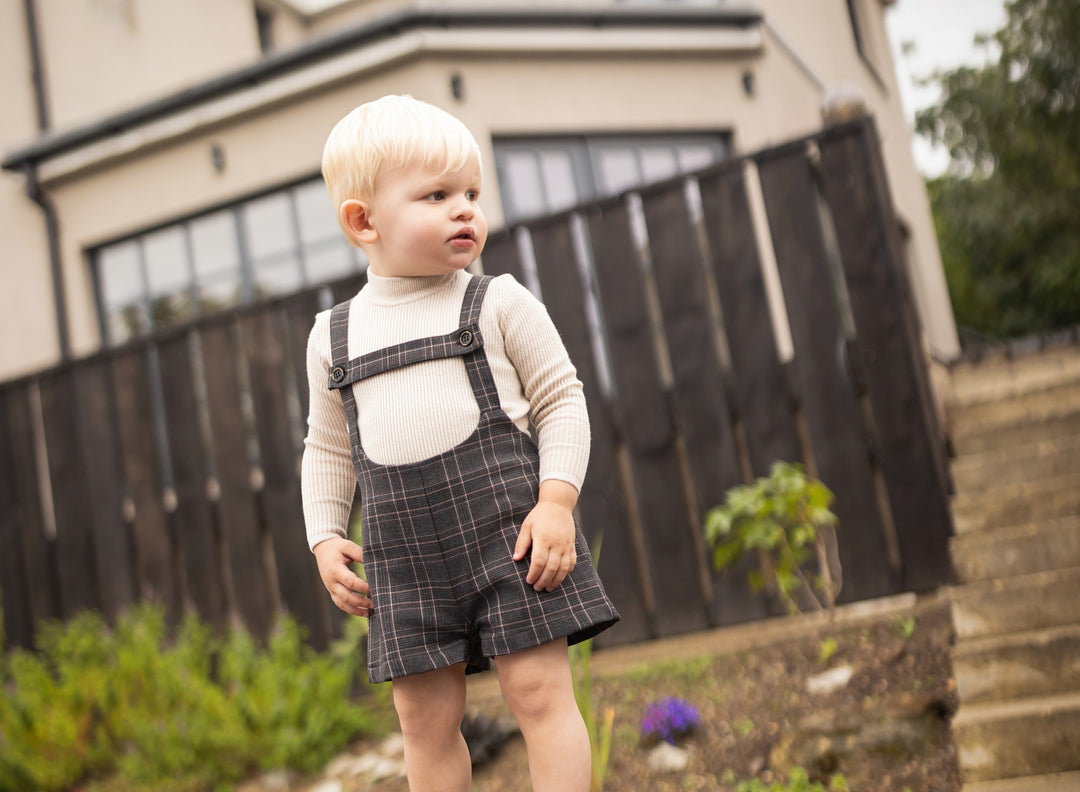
x=1008, y=210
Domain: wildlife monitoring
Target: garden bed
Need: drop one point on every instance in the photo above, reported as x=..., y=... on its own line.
x=885, y=730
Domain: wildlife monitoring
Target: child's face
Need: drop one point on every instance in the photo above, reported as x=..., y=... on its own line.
x=426, y=222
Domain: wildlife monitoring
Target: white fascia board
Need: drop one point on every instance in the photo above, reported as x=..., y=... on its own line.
x=296, y=84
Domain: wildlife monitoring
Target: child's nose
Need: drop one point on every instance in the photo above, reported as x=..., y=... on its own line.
x=463, y=207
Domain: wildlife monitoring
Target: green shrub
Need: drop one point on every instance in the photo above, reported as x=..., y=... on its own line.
x=147, y=713
x=798, y=781
x=779, y=518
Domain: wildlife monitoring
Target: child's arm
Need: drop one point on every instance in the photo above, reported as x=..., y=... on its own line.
x=549, y=530
x=558, y=411
x=328, y=482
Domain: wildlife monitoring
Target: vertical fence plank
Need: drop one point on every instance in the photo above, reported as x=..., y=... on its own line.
x=891, y=354
x=647, y=423
x=15, y=574
x=700, y=398
x=268, y=364
x=190, y=520
x=759, y=384
x=101, y=462
x=832, y=411
x=501, y=256
x=39, y=551
x=71, y=492
x=155, y=563
x=300, y=317
x=347, y=287
x=602, y=505
x=236, y=503
x=300, y=313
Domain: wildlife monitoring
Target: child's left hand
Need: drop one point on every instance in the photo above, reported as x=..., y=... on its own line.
x=549, y=529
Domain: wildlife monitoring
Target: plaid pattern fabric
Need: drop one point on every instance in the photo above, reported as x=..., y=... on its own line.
x=439, y=534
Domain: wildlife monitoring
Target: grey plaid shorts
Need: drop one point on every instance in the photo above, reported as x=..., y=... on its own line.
x=439, y=534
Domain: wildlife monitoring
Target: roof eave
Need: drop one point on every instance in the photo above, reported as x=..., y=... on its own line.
x=52, y=145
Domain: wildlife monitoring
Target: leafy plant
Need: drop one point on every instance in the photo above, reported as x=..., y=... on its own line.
x=743, y=727
x=797, y=781
x=905, y=625
x=598, y=724
x=827, y=649
x=146, y=713
x=782, y=518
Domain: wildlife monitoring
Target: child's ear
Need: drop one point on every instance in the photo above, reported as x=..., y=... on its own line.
x=356, y=220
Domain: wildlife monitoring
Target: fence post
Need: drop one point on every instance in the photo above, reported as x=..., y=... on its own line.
x=890, y=351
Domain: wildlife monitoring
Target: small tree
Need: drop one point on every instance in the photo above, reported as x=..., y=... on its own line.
x=782, y=518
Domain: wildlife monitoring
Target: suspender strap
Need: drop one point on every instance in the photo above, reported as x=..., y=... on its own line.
x=463, y=341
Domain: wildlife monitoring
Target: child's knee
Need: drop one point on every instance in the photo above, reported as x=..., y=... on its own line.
x=535, y=697
x=426, y=713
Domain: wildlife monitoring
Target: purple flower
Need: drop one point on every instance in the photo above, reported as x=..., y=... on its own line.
x=668, y=719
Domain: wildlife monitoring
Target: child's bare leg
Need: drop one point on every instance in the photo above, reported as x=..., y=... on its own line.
x=539, y=689
x=430, y=708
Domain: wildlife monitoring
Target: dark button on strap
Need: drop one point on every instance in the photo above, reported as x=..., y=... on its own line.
x=338, y=374
x=465, y=338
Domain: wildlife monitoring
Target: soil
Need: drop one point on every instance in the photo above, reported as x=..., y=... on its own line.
x=885, y=730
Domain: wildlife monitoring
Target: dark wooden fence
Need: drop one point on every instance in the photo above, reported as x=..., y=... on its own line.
x=168, y=469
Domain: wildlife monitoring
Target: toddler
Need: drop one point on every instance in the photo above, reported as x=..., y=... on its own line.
x=422, y=387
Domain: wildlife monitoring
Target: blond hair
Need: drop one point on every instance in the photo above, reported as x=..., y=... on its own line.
x=390, y=132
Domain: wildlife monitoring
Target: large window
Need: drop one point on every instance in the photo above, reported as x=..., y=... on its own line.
x=542, y=175
x=272, y=244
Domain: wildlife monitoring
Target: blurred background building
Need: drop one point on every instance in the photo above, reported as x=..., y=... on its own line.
x=161, y=159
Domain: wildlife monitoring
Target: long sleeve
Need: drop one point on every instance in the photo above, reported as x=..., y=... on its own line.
x=328, y=482
x=549, y=382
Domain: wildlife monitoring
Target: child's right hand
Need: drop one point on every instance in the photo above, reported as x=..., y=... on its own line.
x=347, y=589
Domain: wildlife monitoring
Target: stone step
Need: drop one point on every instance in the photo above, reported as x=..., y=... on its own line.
x=1038, y=601
x=1012, y=504
x=972, y=439
x=1019, y=665
x=1017, y=549
x=1055, y=782
x=1033, y=407
x=1008, y=377
x=1029, y=737
x=992, y=467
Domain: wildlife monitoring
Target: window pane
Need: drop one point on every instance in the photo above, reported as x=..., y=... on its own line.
x=329, y=262
x=658, y=163
x=280, y=277
x=120, y=274
x=618, y=169
x=695, y=157
x=315, y=213
x=214, y=245
x=268, y=226
x=126, y=323
x=526, y=194
x=220, y=291
x=167, y=270
x=558, y=173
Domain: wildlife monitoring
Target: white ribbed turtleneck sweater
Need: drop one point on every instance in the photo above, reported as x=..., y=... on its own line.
x=417, y=412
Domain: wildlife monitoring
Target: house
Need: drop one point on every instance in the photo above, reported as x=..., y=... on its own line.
x=161, y=160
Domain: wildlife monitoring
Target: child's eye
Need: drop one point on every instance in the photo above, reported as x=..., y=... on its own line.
x=472, y=195
x=438, y=195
